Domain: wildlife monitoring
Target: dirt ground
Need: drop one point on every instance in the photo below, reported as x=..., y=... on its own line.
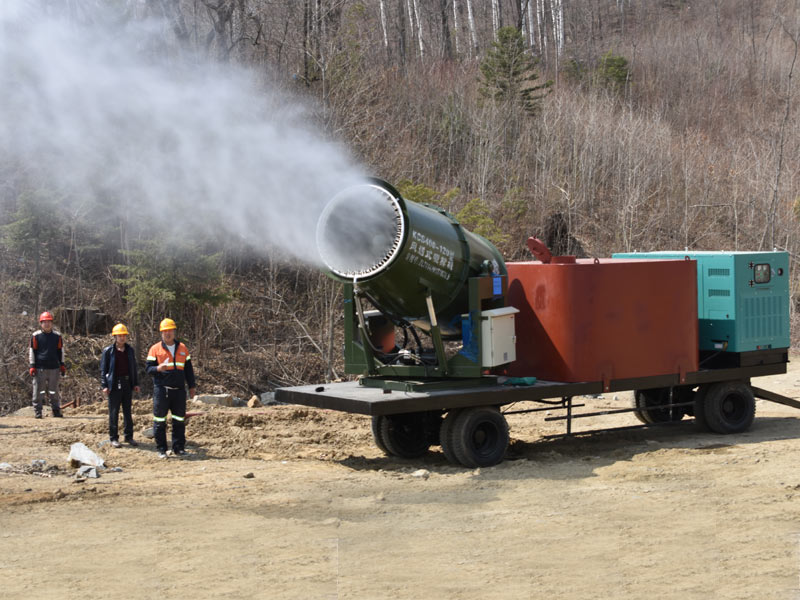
x=290, y=502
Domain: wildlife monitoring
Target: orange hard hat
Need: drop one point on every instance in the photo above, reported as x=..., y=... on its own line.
x=119, y=329
x=45, y=316
x=167, y=324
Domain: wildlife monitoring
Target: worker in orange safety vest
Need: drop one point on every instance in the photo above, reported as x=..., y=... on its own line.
x=170, y=364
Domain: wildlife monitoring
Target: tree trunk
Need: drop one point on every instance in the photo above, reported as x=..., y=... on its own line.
x=306, y=20
x=531, y=24
x=471, y=22
x=455, y=25
x=410, y=13
x=541, y=27
x=383, y=26
x=447, y=46
x=419, y=31
x=401, y=33
x=557, y=15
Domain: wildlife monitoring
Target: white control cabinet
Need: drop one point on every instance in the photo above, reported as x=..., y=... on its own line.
x=498, y=340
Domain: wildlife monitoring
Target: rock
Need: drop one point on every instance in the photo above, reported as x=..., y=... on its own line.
x=148, y=433
x=87, y=471
x=238, y=402
x=218, y=399
x=254, y=402
x=38, y=464
x=5, y=467
x=424, y=473
x=115, y=470
x=268, y=399
x=80, y=453
x=249, y=475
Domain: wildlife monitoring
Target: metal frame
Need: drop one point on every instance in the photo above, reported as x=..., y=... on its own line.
x=360, y=359
x=401, y=396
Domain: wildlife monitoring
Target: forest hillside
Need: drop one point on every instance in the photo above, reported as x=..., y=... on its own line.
x=170, y=157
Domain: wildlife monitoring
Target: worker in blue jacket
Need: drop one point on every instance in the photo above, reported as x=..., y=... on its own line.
x=119, y=378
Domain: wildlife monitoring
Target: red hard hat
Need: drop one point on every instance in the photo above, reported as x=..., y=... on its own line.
x=45, y=316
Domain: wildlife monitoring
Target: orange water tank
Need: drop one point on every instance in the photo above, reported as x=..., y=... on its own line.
x=604, y=319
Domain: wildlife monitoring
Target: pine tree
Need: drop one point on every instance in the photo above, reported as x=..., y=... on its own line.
x=509, y=72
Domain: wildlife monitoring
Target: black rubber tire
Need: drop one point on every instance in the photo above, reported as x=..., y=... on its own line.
x=729, y=407
x=644, y=402
x=480, y=436
x=446, y=435
x=406, y=435
x=376, y=434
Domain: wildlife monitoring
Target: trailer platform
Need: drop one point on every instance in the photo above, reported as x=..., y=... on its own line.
x=464, y=416
x=353, y=397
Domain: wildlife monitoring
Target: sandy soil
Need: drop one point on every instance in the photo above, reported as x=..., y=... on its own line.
x=666, y=513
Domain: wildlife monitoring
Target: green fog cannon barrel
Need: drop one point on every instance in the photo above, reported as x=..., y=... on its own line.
x=396, y=252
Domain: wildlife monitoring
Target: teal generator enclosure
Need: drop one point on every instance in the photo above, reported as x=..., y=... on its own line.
x=742, y=298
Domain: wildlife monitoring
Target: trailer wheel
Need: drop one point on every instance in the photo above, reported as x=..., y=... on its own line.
x=480, y=436
x=446, y=435
x=377, y=424
x=646, y=403
x=729, y=407
x=405, y=435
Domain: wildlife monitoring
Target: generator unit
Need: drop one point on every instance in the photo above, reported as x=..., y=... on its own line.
x=742, y=298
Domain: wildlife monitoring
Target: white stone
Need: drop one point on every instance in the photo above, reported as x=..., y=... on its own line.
x=218, y=399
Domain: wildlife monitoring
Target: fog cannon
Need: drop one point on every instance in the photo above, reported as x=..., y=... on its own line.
x=404, y=256
x=420, y=271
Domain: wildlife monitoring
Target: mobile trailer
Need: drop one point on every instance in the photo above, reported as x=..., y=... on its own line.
x=686, y=332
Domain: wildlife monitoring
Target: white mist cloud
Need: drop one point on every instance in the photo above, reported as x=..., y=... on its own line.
x=100, y=109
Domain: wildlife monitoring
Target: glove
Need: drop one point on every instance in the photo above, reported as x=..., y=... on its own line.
x=63, y=370
x=32, y=371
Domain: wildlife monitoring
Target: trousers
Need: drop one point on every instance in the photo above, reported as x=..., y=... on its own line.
x=45, y=383
x=120, y=396
x=173, y=400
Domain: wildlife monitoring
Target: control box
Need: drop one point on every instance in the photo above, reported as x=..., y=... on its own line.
x=498, y=338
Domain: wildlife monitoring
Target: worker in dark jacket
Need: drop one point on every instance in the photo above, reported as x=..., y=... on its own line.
x=119, y=378
x=46, y=363
x=170, y=364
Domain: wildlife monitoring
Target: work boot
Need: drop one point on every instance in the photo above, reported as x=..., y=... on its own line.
x=38, y=416
x=131, y=442
x=115, y=444
x=179, y=452
x=58, y=415
x=162, y=455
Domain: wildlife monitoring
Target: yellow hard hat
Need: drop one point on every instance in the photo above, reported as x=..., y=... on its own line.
x=167, y=324
x=119, y=329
